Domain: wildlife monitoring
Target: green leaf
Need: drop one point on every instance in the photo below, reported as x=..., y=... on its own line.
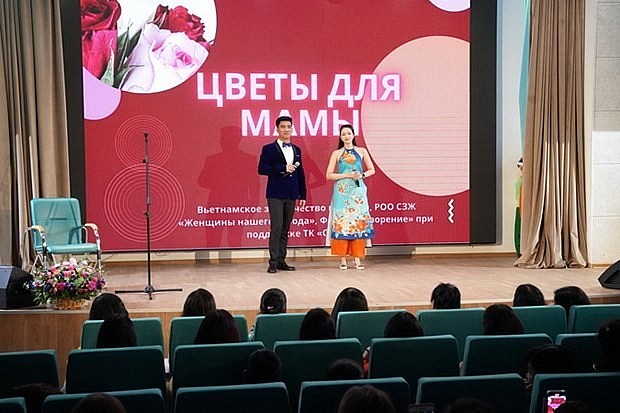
x=122, y=48
x=108, y=75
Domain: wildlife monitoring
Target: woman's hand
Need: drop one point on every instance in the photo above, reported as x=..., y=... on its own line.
x=355, y=175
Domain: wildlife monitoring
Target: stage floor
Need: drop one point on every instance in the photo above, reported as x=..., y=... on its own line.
x=388, y=282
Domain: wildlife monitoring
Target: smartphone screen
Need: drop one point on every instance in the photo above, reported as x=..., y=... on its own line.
x=554, y=399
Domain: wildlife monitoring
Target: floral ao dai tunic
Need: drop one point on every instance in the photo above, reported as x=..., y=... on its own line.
x=350, y=213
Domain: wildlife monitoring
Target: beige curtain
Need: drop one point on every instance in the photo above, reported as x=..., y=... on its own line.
x=33, y=147
x=554, y=199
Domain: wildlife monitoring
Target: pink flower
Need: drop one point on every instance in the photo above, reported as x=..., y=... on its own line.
x=61, y=286
x=162, y=60
x=99, y=34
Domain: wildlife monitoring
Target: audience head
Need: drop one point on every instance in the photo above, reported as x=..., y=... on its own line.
x=609, y=340
x=34, y=394
x=106, y=305
x=548, y=358
x=218, y=326
x=117, y=331
x=344, y=369
x=198, y=303
x=570, y=296
x=365, y=399
x=500, y=319
x=349, y=299
x=264, y=366
x=317, y=325
x=403, y=324
x=528, y=295
x=99, y=403
x=446, y=296
x=469, y=405
x=273, y=301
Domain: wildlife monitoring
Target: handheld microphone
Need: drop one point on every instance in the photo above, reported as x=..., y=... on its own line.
x=357, y=182
x=296, y=165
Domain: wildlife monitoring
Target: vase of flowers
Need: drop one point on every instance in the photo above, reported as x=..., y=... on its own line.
x=67, y=285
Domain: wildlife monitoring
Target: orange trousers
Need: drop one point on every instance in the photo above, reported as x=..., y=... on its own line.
x=349, y=247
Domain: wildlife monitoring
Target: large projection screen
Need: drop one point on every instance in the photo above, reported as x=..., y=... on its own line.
x=202, y=82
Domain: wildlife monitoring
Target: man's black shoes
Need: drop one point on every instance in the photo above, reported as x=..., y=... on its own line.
x=272, y=269
x=285, y=267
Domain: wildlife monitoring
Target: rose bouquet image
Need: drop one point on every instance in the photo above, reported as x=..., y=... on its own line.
x=142, y=54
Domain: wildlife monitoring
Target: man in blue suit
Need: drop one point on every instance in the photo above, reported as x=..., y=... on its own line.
x=286, y=183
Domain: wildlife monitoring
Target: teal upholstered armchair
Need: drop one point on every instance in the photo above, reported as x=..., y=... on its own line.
x=57, y=229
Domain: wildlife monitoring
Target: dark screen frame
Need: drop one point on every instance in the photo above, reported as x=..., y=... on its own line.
x=483, y=114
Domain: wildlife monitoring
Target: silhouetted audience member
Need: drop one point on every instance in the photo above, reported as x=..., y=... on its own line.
x=469, y=405
x=218, y=326
x=34, y=394
x=349, y=299
x=527, y=295
x=609, y=340
x=99, y=403
x=546, y=359
x=198, y=303
x=106, y=305
x=446, y=296
x=570, y=296
x=400, y=325
x=365, y=399
x=574, y=406
x=273, y=301
x=500, y=319
x=317, y=325
x=264, y=366
x=117, y=331
x=344, y=369
x=403, y=324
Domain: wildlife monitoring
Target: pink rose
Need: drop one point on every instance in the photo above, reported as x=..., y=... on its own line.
x=99, y=34
x=162, y=60
x=99, y=14
x=60, y=286
x=97, y=50
x=180, y=20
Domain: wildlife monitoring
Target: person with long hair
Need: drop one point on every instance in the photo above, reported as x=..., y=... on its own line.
x=317, y=325
x=351, y=223
x=349, y=299
x=273, y=301
x=106, y=305
x=569, y=296
x=500, y=319
x=198, y=303
x=117, y=331
x=217, y=327
x=528, y=295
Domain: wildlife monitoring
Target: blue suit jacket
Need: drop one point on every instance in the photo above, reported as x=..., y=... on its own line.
x=280, y=184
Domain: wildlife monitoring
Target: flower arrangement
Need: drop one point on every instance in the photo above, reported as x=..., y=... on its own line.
x=159, y=54
x=67, y=281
